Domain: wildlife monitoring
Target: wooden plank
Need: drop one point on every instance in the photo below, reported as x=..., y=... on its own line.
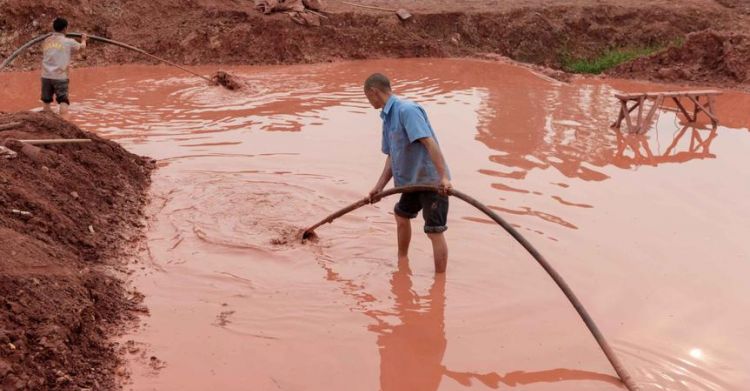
x=10, y=125
x=668, y=94
x=57, y=141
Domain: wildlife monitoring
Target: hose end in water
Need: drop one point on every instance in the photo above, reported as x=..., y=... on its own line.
x=309, y=235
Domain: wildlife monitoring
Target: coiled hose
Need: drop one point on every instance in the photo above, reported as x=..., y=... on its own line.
x=625, y=377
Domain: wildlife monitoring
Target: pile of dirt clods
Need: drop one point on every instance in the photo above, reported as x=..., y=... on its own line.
x=66, y=213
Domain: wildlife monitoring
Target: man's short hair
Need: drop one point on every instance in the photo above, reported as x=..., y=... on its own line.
x=59, y=24
x=378, y=81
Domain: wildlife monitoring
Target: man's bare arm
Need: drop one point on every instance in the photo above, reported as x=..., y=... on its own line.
x=385, y=177
x=433, y=149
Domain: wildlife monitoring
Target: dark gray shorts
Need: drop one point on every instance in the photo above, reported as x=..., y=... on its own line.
x=55, y=88
x=434, y=207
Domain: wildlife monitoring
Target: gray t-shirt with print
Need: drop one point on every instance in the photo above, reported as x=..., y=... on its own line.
x=57, y=50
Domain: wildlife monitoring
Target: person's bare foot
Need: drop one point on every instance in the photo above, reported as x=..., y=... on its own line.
x=64, y=110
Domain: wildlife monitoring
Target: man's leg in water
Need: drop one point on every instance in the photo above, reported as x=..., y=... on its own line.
x=48, y=92
x=403, y=231
x=439, y=251
x=61, y=92
x=64, y=109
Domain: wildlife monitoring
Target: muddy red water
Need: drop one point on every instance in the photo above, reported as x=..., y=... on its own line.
x=650, y=232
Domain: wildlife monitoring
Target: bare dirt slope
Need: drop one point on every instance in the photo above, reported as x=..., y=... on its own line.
x=233, y=32
x=66, y=212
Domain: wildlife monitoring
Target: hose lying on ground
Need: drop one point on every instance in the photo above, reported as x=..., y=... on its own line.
x=222, y=80
x=613, y=359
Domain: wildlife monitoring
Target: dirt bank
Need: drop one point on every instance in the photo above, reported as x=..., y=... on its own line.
x=707, y=56
x=65, y=212
x=233, y=32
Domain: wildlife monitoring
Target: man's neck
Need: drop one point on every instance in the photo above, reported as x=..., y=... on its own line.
x=386, y=98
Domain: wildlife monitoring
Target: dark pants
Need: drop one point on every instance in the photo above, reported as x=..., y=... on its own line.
x=55, y=88
x=434, y=207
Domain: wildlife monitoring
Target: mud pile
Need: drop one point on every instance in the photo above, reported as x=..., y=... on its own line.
x=226, y=80
x=65, y=212
x=706, y=56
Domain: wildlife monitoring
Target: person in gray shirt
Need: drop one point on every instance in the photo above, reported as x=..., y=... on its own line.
x=57, y=50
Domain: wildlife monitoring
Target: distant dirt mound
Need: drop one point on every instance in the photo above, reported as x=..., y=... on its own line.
x=65, y=210
x=739, y=5
x=231, y=32
x=706, y=56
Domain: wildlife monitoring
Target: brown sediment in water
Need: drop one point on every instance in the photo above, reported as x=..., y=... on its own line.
x=631, y=222
x=66, y=213
x=227, y=81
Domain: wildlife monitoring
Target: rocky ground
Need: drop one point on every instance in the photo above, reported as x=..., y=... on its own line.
x=67, y=213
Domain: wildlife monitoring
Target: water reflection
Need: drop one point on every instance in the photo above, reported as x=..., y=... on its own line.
x=412, y=350
x=635, y=149
x=411, y=353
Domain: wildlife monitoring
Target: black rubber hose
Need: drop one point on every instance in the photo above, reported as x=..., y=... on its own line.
x=613, y=359
x=40, y=38
x=22, y=49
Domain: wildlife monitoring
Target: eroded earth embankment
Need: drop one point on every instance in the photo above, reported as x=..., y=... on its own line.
x=67, y=212
x=228, y=32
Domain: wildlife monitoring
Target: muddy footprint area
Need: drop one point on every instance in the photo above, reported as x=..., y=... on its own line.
x=66, y=212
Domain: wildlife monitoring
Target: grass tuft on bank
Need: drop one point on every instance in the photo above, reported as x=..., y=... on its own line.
x=608, y=59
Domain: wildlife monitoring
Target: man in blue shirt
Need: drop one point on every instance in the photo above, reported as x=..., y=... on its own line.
x=414, y=158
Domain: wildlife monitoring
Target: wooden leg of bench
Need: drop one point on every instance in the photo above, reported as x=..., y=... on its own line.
x=657, y=103
x=682, y=109
x=700, y=107
x=676, y=140
x=620, y=116
x=639, y=126
x=627, y=117
x=712, y=108
x=696, y=110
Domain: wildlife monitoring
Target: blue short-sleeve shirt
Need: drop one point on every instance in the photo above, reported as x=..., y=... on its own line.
x=404, y=123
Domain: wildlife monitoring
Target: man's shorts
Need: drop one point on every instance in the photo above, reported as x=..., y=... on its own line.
x=434, y=207
x=56, y=88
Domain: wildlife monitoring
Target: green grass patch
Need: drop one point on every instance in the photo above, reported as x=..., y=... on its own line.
x=609, y=59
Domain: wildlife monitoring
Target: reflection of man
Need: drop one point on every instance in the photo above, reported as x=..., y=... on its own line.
x=414, y=158
x=411, y=353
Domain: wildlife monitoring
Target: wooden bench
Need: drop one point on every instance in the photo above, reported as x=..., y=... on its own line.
x=702, y=100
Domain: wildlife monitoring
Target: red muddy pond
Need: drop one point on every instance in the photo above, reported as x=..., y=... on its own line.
x=650, y=232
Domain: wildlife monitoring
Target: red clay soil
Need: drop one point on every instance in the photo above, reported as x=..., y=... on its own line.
x=709, y=56
x=233, y=32
x=59, y=294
